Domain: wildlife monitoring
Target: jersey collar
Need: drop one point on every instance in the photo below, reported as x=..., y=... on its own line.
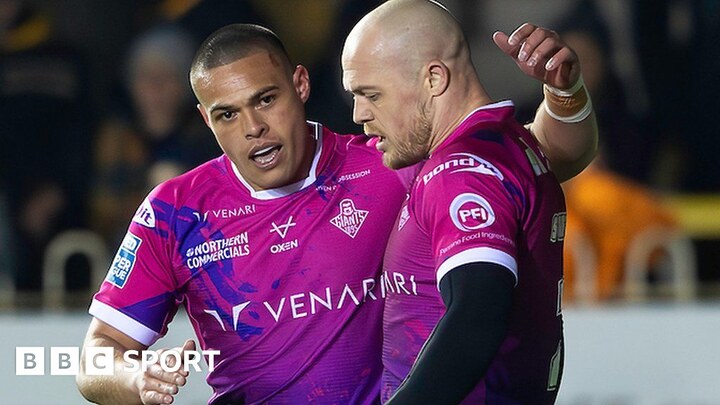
x=279, y=192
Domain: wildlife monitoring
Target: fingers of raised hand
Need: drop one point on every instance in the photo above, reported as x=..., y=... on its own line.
x=153, y=391
x=178, y=377
x=534, y=46
x=521, y=33
x=157, y=386
x=563, y=68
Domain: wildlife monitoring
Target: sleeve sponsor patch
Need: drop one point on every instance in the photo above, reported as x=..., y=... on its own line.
x=470, y=212
x=124, y=261
x=145, y=215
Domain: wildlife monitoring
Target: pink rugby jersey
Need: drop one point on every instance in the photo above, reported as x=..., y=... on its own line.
x=284, y=283
x=485, y=195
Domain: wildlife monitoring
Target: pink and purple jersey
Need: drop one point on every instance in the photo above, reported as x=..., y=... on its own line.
x=284, y=283
x=485, y=195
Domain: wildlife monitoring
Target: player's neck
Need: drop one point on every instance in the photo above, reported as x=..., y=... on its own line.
x=453, y=109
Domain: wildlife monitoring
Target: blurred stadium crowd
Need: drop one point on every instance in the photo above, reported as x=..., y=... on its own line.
x=96, y=109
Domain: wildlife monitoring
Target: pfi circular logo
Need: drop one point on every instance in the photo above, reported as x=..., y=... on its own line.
x=470, y=212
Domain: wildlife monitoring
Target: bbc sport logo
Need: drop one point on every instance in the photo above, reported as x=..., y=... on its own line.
x=65, y=360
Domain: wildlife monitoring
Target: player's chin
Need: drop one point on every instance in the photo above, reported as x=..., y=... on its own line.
x=275, y=179
x=398, y=158
x=392, y=161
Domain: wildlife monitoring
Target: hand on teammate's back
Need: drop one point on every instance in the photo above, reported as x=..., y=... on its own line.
x=158, y=386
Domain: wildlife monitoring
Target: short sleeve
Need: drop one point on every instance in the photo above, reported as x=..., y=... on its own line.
x=472, y=216
x=139, y=294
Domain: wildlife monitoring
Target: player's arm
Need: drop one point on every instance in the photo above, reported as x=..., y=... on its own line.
x=565, y=123
x=478, y=298
x=153, y=386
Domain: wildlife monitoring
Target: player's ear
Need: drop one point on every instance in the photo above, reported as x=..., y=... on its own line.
x=301, y=81
x=204, y=114
x=437, y=77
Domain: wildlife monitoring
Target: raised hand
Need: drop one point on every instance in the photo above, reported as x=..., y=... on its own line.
x=158, y=386
x=540, y=53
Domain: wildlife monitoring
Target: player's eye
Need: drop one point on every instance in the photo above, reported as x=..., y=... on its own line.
x=227, y=115
x=373, y=97
x=267, y=100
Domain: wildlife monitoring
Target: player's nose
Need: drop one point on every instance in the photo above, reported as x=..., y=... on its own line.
x=255, y=125
x=361, y=112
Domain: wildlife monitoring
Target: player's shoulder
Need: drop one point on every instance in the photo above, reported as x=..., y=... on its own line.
x=457, y=162
x=204, y=176
x=354, y=152
x=353, y=143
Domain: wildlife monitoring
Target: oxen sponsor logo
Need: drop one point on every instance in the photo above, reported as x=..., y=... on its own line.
x=282, y=230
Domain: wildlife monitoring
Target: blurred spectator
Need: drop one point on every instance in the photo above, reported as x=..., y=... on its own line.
x=609, y=211
x=481, y=18
x=607, y=203
x=157, y=136
x=46, y=122
x=312, y=31
x=626, y=150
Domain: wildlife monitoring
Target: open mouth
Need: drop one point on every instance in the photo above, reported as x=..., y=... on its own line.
x=266, y=157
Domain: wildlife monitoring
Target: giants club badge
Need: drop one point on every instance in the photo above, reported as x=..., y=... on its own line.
x=350, y=218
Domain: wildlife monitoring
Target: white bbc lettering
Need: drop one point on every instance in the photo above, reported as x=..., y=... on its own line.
x=29, y=361
x=99, y=360
x=64, y=360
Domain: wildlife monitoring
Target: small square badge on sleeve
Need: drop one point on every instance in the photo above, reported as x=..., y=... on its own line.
x=124, y=261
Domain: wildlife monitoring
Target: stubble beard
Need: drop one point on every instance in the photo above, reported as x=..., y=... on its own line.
x=416, y=147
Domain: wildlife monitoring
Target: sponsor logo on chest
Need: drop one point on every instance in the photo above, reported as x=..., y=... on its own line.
x=226, y=213
x=308, y=303
x=217, y=250
x=282, y=231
